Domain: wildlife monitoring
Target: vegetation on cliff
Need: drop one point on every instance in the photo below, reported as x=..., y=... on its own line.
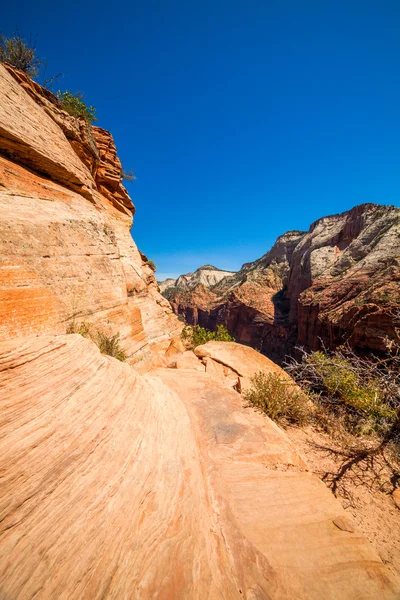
x=196, y=336
x=17, y=53
x=74, y=105
x=107, y=343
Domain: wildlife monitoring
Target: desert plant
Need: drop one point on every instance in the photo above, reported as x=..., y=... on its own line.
x=110, y=345
x=196, y=336
x=83, y=328
x=74, y=105
x=279, y=399
x=16, y=52
x=107, y=344
x=365, y=391
x=152, y=265
x=128, y=175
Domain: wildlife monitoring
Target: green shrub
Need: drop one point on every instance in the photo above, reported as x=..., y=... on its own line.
x=279, y=399
x=340, y=379
x=16, y=52
x=83, y=328
x=74, y=105
x=107, y=344
x=152, y=265
x=110, y=345
x=196, y=335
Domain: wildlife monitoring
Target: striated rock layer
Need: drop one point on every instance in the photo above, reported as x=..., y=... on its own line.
x=66, y=253
x=339, y=282
x=116, y=485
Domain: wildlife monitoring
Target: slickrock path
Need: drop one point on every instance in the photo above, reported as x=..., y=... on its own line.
x=115, y=485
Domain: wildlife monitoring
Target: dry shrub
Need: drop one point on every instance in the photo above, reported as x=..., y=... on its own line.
x=359, y=394
x=279, y=399
x=16, y=52
x=194, y=335
x=107, y=343
x=111, y=345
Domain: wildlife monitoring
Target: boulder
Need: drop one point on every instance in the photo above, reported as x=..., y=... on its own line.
x=243, y=360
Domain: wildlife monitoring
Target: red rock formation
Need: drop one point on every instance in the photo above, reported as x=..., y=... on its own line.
x=109, y=171
x=65, y=244
x=337, y=283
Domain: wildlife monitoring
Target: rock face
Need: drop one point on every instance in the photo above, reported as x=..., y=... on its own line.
x=164, y=285
x=65, y=245
x=240, y=359
x=339, y=282
x=116, y=485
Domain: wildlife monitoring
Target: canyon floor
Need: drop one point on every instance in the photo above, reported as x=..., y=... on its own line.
x=117, y=485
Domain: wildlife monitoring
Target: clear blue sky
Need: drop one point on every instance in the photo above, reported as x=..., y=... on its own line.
x=242, y=119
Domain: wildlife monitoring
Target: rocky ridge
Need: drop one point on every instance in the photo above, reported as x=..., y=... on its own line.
x=207, y=275
x=336, y=283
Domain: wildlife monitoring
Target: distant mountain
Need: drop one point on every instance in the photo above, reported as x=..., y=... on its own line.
x=206, y=275
x=338, y=282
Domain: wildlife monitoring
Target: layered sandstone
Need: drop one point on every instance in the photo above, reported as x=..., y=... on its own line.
x=337, y=283
x=67, y=255
x=116, y=485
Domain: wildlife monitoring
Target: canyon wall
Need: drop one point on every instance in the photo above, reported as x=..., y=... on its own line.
x=337, y=283
x=67, y=255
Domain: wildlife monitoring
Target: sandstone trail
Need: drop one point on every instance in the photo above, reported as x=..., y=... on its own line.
x=134, y=480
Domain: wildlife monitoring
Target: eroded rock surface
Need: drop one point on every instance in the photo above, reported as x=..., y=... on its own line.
x=116, y=485
x=66, y=253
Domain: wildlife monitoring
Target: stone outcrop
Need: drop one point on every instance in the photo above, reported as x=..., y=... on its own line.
x=239, y=359
x=116, y=485
x=339, y=282
x=66, y=251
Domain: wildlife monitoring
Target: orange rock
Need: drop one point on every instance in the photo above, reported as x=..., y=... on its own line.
x=33, y=139
x=65, y=245
x=243, y=360
x=188, y=360
x=116, y=485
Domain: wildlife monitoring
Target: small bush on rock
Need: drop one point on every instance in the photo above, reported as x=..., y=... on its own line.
x=363, y=393
x=83, y=328
x=110, y=345
x=128, y=175
x=17, y=53
x=279, y=399
x=194, y=335
x=107, y=344
x=74, y=105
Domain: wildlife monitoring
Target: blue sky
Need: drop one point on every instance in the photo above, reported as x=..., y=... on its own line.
x=241, y=119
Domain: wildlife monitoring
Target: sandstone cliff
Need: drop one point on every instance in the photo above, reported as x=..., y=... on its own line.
x=336, y=283
x=65, y=218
